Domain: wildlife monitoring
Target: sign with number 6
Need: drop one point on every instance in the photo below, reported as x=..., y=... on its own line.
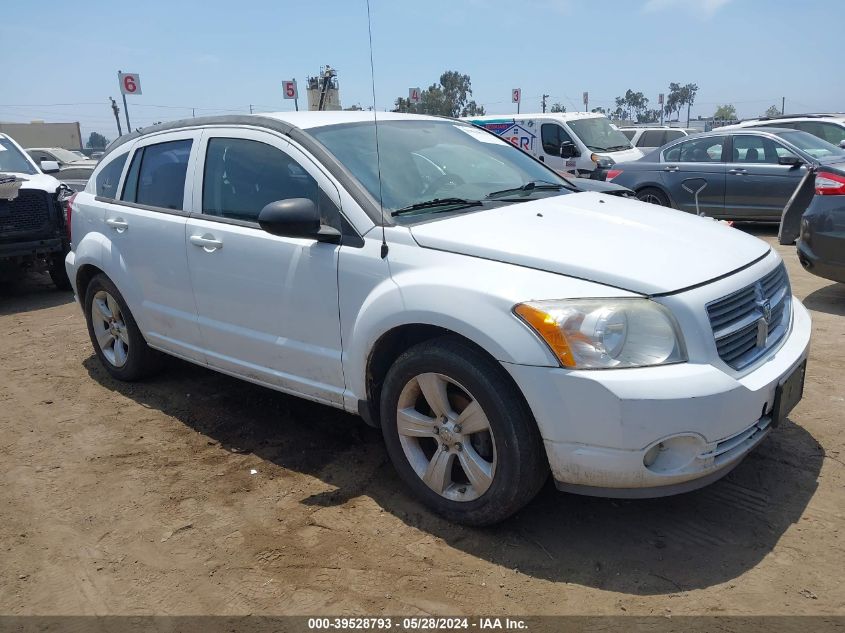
x=289, y=89
x=130, y=83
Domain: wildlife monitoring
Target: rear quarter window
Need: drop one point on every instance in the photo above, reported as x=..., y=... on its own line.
x=107, y=179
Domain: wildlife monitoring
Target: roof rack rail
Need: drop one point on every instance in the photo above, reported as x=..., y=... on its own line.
x=814, y=115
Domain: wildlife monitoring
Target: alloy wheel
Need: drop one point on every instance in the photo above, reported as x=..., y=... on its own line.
x=446, y=437
x=110, y=328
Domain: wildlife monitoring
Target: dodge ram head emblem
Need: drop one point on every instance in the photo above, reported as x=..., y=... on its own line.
x=765, y=307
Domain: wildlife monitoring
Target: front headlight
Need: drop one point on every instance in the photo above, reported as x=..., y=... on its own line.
x=606, y=333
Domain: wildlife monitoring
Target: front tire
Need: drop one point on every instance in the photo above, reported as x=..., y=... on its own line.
x=460, y=434
x=58, y=272
x=117, y=341
x=652, y=195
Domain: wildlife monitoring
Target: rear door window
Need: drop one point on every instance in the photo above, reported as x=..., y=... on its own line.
x=652, y=138
x=699, y=150
x=156, y=175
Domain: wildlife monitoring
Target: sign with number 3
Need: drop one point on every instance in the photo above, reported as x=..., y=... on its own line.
x=130, y=83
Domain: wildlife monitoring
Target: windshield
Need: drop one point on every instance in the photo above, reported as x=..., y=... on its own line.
x=812, y=145
x=424, y=160
x=598, y=135
x=65, y=155
x=12, y=159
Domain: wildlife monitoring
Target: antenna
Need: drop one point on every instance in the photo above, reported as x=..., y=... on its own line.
x=375, y=125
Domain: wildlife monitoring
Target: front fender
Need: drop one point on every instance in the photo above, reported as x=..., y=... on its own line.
x=469, y=296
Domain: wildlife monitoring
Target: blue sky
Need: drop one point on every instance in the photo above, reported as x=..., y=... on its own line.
x=222, y=56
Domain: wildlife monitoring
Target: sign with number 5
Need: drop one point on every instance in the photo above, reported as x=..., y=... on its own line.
x=289, y=88
x=130, y=83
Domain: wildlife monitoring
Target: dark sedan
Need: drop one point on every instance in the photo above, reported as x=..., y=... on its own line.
x=742, y=174
x=821, y=244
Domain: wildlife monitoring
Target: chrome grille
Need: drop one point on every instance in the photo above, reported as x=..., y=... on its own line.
x=28, y=213
x=749, y=321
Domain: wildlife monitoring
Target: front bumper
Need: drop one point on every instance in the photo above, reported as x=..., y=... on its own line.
x=598, y=426
x=34, y=248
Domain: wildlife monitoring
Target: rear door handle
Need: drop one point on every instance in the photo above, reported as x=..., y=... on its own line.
x=738, y=172
x=671, y=168
x=118, y=224
x=206, y=242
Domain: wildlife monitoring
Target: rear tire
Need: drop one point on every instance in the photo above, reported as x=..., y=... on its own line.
x=652, y=195
x=481, y=460
x=117, y=341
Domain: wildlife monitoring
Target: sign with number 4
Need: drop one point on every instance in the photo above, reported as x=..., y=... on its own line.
x=289, y=88
x=414, y=95
x=130, y=83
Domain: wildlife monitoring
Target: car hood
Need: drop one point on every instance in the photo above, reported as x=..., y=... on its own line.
x=614, y=241
x=44, y=182
x=623, y=156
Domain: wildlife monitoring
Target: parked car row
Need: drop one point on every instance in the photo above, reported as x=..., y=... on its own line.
x=74, y=167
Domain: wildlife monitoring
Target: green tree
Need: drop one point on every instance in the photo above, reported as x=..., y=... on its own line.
x=725, y=112
x=450, y=97
x=558, y=107
x=600, y=110
x=680, y=96
x=96, y=141
x=632, y=105
x=772, y=110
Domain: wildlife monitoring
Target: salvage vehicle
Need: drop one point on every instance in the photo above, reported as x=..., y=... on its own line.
x=75, y=167
x=33, y=235
x=828, y=127
x=741, y=174
x=495, y=321
x=821, y=243
x=649, y=138
x=569, y=142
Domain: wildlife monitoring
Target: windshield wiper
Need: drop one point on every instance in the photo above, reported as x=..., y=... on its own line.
x=437, y=202
x=617, y=148
x=534, y=185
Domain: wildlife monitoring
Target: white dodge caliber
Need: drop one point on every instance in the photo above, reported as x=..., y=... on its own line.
x=495, y=320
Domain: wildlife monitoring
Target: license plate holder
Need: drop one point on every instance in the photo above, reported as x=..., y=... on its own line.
x=788, y=393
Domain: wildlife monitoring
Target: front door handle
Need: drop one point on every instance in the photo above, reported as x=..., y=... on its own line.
x=206, y=242
x=118, y=224
x=738, y=172
x=671, y=168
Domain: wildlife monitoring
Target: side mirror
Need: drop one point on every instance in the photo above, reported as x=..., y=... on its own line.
x=568, y=150
x=296, y=217
x=842, y=143
x=792, y=161
x=49, y=166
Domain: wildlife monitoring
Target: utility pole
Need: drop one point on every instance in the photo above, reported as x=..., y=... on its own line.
x=544, y=103
x=250, y=108
x=193, y=112
x=783, y=105
x=116, y=111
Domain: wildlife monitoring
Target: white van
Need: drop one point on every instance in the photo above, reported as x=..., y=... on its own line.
x=570, y=142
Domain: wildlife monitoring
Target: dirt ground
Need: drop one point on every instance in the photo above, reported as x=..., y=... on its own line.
x=140, y=499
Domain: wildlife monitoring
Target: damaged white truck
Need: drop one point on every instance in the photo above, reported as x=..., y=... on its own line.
x=33, y=234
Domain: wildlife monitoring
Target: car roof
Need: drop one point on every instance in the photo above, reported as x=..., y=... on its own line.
x=536, y=115
x=283, y=122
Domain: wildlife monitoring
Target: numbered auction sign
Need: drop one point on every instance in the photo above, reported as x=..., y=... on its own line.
x=414, y=95
x=516, y=95
x=289, y=89
x=130, y=83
